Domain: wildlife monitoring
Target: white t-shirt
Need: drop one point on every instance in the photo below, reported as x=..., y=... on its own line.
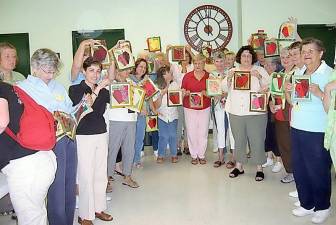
x=122, y=114
x=219, y=105
x=165, y=113
x=238, y=102
x=300, y=71
x=176, y=69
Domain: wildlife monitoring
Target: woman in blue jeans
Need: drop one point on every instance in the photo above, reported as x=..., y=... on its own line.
x=168, y=116
x=138, y=74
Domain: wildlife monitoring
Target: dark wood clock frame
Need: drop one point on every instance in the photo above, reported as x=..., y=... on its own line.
x=208, y=21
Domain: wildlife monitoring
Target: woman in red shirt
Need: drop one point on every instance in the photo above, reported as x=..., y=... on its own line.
x=196, y=109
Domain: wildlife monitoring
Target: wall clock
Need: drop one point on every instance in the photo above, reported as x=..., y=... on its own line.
x=208, y=25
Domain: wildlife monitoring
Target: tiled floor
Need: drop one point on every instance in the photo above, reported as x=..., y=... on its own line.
x=184, y=194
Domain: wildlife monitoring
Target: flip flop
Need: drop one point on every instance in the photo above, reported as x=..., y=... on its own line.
x=119, y=173
x=194, y=161
x=218, y=163
x=259, y=176
x=235, y=173
x=104, y=216
x=230, y=165
x=131, y=184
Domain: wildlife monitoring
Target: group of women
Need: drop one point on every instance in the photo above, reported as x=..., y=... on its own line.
x=85, y=165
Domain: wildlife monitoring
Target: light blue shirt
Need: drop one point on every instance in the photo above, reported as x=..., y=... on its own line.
x=52, y=96
x=79, y=78
x=310, y=115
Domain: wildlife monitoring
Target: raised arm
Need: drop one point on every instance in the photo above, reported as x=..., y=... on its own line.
x=79, y=57
x=295, y=21
x=112, y=72
x=188, y=49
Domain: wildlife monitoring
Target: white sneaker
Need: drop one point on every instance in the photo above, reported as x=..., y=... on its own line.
x=156, y=153
x=108, y=198
x=269, y=162
x=300, y=212
x=293, y=194
x=297, y=203
x=142, y=154
x=321, y=215
x=77, y=202
x=277, y=167
x=287, y=179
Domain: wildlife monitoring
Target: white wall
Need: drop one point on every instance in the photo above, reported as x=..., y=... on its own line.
x=50, y=22
x=268, y=15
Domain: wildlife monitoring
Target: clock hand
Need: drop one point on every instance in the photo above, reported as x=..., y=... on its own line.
x=201, y=17
x=208, y=26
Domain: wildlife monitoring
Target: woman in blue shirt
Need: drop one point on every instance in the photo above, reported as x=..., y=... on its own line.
x=44, y=89
x=311, y=161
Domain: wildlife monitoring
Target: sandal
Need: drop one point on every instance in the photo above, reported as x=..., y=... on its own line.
x=104, y=216
x=119, y=173
x=6, y=213
x=202, y=161
x=194, y=161
x=109, y=187
x=186, y=151
x=86, y=222
x=259, y=176
x=159, y=160
x=179, y=152
x=248, y=155
x=174, y=159
x=230, y=165
x=235, y=173
x=130, y=183
x=218, y=164
x=138, y=165
x=110, y=178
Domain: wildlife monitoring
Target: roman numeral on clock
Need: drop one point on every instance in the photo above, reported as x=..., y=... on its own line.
x=192, y=20
x=215, y=15
x=217, y=44
x=200, y=44
x=223, y=29
x=194, y=38
x=223, y=20
x=207, y=13
x=222, y=37
x=200, y=16
x=191, y=29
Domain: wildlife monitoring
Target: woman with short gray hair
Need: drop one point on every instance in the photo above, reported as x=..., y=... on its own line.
x=43, y=88
x=311, y=161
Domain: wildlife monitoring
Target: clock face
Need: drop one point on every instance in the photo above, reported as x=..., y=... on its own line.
x=208, y=25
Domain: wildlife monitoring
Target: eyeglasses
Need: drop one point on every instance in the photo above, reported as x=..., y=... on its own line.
x=51, y=72
x=308, y=52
